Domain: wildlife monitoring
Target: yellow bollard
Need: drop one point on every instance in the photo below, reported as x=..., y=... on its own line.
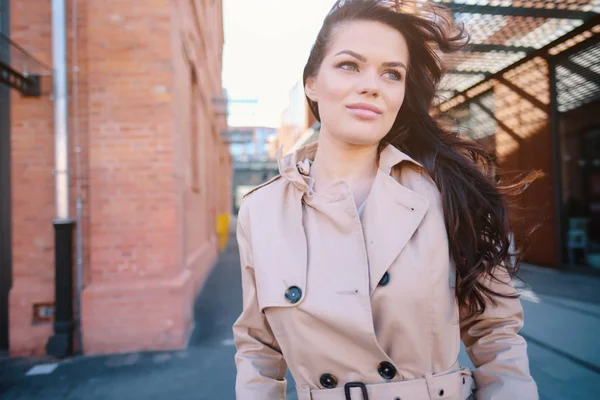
x=223, y=230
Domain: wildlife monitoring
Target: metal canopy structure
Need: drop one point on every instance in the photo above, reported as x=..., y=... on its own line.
x=505, y=33
x=532, y=66
x=19, y=69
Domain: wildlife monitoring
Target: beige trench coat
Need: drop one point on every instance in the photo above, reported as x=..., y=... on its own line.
x=338, y=298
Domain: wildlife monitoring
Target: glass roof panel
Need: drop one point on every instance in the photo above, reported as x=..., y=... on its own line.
x=491, y=62
x=21, y=61
x=460, y=82
x=546, y=32
x=473, y=23
x=578, y=79
x=515, y=28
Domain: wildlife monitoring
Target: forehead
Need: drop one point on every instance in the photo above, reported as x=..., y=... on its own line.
x=374, y=40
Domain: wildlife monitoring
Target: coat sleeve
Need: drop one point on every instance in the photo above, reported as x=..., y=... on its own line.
x=496, y=349
x=260, y=365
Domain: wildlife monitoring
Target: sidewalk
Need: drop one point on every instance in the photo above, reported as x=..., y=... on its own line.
x=203, y=371
x=584, y=288
x=562, y=326
x=562, y=322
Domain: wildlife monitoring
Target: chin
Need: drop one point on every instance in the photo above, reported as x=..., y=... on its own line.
x=362, y=139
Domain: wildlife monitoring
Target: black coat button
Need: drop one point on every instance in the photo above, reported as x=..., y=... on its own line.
x=386, y=370
x=328, y=381
x=293, y=294
x=385, y=279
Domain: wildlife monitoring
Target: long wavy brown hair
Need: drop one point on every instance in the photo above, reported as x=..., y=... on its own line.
x=475, y=204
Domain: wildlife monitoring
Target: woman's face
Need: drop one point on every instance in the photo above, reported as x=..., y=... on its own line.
x=360, y=85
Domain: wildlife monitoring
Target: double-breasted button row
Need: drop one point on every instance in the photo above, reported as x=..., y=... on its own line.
x=293, y=294
x=385, y=369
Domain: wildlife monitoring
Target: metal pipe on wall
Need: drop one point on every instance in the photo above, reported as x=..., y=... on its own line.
x=78, y=179
x=61, y=342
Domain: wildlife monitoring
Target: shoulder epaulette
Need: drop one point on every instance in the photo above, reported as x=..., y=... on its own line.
x=276, y=177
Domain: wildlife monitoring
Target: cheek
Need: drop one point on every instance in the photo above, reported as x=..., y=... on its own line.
x=394, y=100
x=397, y=99
x=333, y=89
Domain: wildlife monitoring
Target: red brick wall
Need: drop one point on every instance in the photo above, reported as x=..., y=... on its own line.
x=148, y=231
x=32, y=188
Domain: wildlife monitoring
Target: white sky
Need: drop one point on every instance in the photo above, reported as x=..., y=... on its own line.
x=267, y=43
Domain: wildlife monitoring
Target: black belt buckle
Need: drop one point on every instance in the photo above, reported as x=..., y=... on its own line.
x=360, y=385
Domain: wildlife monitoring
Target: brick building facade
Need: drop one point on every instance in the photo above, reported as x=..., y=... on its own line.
x=146, y=161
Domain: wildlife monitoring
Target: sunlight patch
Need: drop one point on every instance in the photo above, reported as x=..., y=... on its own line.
x=227, y=342
x=529, y=295
x=42, y=369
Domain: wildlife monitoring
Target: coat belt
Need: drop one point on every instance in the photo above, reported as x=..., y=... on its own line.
x=457, y=385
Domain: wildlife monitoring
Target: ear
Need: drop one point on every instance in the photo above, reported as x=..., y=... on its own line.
x=309, y=89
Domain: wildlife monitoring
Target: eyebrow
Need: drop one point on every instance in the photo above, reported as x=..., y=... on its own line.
x=364, y=59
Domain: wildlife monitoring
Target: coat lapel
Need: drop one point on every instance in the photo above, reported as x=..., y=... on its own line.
x=391, y=216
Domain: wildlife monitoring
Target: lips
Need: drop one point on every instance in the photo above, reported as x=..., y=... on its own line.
x=364, y=110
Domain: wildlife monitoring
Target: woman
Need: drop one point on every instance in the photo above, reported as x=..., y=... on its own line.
x=375, y=251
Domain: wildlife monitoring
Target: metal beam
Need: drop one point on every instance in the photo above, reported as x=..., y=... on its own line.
x=554, y=122
x=486, y=48
x=468, y=73
x=579, y=46
x=27, y=85
x=519, y=11
x=501, y=124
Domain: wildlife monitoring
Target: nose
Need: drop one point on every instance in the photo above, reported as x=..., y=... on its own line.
x=368, y=84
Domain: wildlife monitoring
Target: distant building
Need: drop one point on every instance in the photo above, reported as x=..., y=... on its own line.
x=250, y=143
x=253, y=162
x=298, y=124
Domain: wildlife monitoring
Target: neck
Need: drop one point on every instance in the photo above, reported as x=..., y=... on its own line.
x=336, y=161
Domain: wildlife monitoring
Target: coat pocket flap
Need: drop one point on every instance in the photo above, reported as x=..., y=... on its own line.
x=273, y=293
x=281, y=287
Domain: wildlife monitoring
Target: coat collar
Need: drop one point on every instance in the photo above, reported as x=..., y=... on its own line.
x=390, y=157
x=294, y=166
x=392, y=213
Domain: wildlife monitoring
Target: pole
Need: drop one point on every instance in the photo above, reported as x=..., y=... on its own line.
x=61, y=343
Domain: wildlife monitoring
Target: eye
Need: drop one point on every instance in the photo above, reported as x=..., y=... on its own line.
x=348, y=66
x=394, y=75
